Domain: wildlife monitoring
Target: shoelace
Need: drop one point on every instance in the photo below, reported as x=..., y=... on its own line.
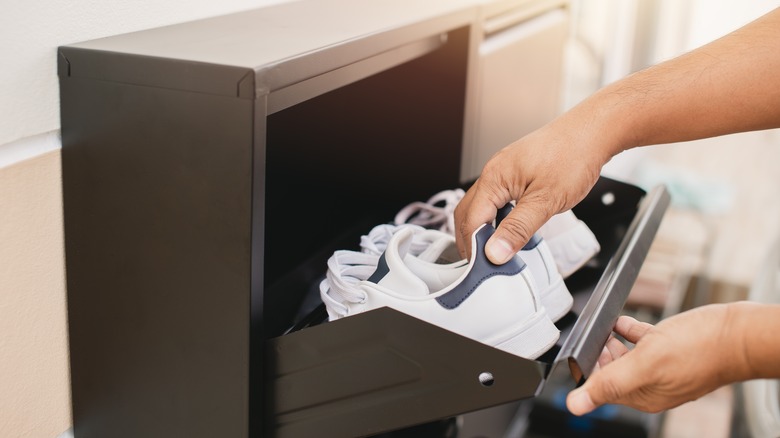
x=346, y=269
x=437, y=212
x=375, y=242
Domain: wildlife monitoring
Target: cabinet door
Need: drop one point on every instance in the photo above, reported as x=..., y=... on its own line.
x=518, y=84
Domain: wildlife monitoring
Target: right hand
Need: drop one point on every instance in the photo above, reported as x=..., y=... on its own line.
x=546, y=172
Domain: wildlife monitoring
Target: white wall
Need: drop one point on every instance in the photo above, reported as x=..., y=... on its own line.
x=34, y=379
x=31, y=31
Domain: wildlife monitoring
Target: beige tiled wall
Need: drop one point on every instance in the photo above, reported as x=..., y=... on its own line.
x=34, y=378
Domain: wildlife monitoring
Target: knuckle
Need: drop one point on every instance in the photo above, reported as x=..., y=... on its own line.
x=517, y=227
x=544, y=199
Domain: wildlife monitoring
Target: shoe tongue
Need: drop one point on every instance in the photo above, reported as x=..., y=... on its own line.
x=398, y=277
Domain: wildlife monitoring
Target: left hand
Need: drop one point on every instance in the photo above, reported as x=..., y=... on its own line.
x=678, y=360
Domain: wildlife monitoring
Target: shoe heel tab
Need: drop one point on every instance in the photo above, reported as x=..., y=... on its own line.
x=478, y=243
x=480, y=269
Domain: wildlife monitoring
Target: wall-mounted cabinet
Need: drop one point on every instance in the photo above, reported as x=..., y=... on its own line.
x=211, y=168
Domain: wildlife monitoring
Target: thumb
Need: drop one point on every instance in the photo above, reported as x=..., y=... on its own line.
x=579, y=401
x=516, y=229
x=613, y=383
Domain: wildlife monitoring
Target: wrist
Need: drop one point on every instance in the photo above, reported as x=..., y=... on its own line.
x=757, y=326
x=733, y=345
x=602, y=125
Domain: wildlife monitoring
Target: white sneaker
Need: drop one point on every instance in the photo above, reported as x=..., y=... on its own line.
x=438, y=211
x=571, y=242
x=496, y=305
x=438, y=247
x=555, y=295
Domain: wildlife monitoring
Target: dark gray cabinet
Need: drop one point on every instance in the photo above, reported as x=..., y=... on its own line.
x=209, y=170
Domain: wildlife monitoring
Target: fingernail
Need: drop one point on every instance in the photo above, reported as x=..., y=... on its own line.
x=580, y=402
x=498, y=251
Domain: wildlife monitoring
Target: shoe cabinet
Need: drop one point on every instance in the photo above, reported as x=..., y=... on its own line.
x=211, y=168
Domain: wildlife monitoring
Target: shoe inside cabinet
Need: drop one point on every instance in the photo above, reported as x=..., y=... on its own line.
x=607, y=210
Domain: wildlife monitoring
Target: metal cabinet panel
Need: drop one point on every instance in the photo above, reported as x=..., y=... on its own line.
x=518, y=83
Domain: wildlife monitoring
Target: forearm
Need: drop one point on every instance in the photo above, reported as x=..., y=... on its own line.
x=730, y=85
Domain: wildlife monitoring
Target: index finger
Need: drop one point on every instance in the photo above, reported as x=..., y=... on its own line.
x=631, y=329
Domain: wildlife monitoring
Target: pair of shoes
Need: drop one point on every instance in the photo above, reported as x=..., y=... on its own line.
x=572, y=244
x=418, y=271
x=414, y=267
x=563, y=245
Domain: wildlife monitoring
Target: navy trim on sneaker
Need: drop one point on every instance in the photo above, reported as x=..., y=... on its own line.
x=536, y=239
x=480, y=271
x=381, y=270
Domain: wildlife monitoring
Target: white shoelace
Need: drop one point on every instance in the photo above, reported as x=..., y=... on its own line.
x=375, y=242
x=346, y=269
x=437, y=212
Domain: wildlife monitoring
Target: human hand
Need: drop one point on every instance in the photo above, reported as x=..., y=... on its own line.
x=551, y=169
x=678, y=360
x=546, y=172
